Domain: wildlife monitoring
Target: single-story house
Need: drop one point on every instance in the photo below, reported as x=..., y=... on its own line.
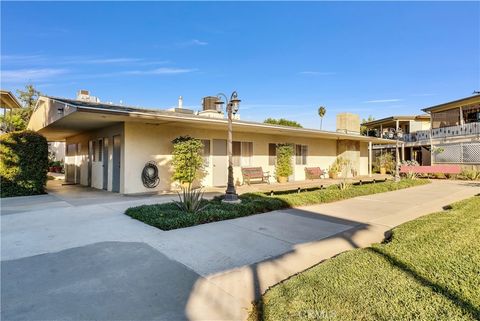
x=108, y=145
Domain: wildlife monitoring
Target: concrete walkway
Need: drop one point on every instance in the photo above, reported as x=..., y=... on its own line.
x=93, y=262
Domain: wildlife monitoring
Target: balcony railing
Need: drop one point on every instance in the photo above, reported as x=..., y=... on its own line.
x=460, y=130
x=417, y=136
x=444, y=132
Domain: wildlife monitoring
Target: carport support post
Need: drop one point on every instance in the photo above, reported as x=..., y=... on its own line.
x=397, y=161
x=370, y=159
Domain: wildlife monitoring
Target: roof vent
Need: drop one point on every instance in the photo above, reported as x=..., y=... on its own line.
x=180, y=102
x=180, y=109
x=84, y=95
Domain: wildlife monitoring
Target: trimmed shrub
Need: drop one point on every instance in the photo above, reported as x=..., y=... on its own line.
x=23, y=163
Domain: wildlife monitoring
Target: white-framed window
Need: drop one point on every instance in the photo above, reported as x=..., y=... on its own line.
x=94, y=151
x=206, y=152
x=301, y=152
x=242, y=153
x=272, y=154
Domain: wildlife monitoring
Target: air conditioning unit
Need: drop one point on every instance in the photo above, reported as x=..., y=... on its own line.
x=84, y=95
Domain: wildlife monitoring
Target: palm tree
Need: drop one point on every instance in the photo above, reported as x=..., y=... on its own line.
x=321, y=112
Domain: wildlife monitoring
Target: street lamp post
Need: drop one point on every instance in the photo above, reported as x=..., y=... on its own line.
x=232, y=108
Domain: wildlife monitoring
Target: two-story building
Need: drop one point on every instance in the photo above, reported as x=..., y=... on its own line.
x=448, y=134
x=455, y=132
x=409, y=130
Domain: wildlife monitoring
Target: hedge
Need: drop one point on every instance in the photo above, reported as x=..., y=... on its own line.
x=23, y=163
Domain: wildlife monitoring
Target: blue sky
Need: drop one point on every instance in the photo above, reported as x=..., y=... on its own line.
x=284, y=59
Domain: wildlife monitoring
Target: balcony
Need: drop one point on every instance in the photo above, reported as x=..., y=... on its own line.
x=444, y=132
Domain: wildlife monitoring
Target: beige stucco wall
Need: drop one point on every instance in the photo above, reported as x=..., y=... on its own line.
x=144, y=142
x=81, y=159
x=47, y=111
x=416, y=125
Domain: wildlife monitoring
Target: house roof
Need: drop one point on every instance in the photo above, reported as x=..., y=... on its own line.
x=392, y=119
x=87, y=115
x=453, y=104
x=8, y=100
x=106, y=106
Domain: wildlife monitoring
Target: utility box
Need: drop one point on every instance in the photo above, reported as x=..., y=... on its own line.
x=348, y=123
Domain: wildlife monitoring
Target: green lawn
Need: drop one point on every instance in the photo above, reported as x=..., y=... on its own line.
x=429, y=270
x=168, y=216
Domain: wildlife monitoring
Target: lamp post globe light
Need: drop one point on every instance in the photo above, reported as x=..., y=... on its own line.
x=232, y=105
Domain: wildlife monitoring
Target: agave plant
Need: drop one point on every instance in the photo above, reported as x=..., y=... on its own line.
x=190, y=200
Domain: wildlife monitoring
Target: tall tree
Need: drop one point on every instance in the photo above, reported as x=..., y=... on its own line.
x=364, y=130
x=17, y=119
x=321, y=112
x=283, y=122
x=29, y=96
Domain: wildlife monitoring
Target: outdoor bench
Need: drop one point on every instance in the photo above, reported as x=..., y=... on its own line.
x=314, y=172
x=433, y=169
x=256, y=174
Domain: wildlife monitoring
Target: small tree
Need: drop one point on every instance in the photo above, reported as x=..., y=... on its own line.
x=284, y=166
x=321, y=112
x=187, y=159
x=345, y=168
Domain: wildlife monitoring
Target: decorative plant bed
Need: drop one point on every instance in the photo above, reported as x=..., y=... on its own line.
x=168, y=216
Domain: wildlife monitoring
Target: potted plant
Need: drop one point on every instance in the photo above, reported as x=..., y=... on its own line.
x=385, y=163
x=55, y=167
x=284, y=166
x=335, y=168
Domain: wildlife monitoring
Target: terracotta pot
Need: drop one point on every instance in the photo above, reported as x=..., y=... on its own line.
x=282, y=179
x=383, y=170
x=333, y=175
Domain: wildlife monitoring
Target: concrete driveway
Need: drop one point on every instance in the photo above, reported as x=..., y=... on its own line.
x=77, y=261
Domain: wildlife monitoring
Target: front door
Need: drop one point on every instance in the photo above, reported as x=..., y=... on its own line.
x=105, y=163
x=220, y=162
x=70, y=163
x=116, y=164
